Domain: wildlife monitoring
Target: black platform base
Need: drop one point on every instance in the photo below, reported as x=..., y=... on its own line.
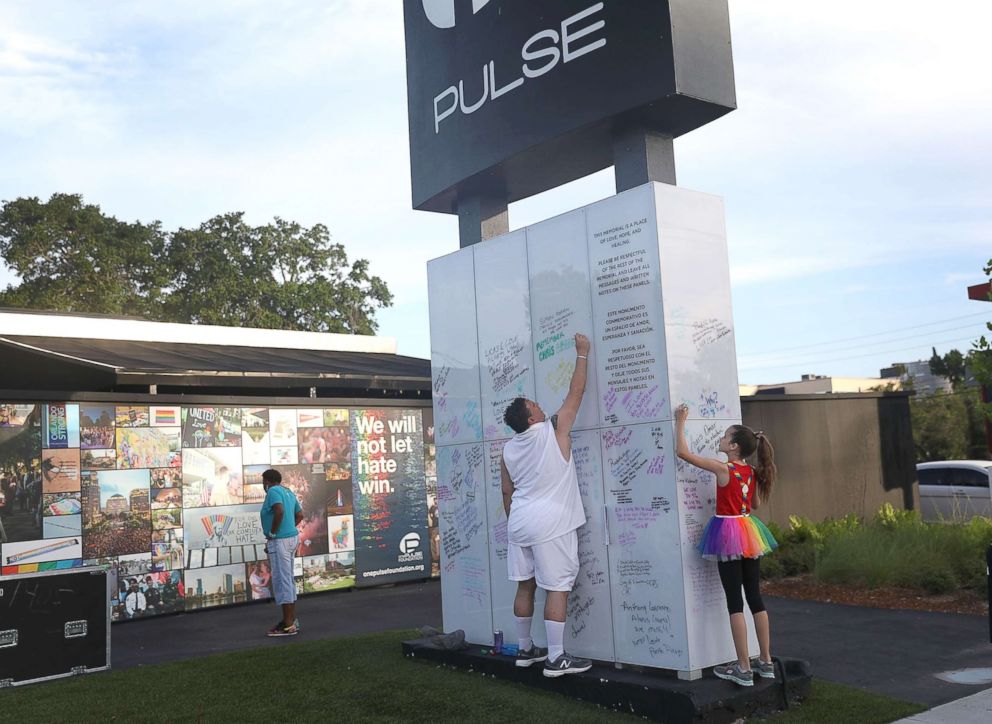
x=652, y=693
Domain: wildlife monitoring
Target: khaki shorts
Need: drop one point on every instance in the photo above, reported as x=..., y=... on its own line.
x=554, y=563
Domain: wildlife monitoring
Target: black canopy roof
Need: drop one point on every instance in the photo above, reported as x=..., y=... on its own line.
x=108, y=365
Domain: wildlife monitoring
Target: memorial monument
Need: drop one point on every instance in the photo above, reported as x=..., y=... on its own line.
x=508, y=99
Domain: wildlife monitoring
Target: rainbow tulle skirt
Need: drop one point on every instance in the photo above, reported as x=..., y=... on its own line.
x=740, y=536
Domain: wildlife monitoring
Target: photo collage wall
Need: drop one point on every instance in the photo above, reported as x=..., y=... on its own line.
x=167, y=497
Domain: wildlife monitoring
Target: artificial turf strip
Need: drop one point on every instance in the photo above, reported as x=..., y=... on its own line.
x=355, y=679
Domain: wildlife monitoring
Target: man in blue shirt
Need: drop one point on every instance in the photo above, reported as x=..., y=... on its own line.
x=279, y=508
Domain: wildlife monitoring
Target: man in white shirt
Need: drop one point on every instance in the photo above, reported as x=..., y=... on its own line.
x=135, y=602
x=544, y=510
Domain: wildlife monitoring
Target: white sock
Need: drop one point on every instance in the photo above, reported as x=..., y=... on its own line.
x=523, y=631
x=556, y=635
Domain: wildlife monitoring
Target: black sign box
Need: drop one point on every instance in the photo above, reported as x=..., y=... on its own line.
x=514, y=97
x=53, y=624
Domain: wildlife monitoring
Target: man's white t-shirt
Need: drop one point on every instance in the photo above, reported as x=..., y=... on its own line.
x=546, y=501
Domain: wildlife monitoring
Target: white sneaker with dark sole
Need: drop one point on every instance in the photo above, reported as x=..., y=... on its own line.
x=566, y=664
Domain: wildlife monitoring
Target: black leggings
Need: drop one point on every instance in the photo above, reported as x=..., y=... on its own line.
x=743, y=572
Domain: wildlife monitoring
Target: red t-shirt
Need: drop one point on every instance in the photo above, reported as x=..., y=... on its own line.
x=735, y=497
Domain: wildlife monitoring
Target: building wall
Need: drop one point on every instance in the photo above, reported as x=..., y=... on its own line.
x=820, y=385
x=836, y=454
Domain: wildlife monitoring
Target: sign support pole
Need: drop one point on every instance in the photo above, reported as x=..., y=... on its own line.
x=481, y=216
x=640, y=155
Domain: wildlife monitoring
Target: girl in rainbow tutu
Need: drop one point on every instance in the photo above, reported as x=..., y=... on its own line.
x=735, y=539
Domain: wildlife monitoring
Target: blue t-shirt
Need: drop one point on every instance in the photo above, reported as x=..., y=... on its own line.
x=280, y=494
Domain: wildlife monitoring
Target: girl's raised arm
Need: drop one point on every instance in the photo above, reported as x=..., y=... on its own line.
x=717, y=467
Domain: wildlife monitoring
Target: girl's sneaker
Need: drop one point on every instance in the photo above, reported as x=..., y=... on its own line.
x=762, y=669
x=733, y=672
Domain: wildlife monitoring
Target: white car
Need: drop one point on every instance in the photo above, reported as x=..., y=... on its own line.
x=955, y=489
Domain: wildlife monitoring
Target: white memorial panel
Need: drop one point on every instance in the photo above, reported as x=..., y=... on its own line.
x=560, y=303
x=622, y=234
x=503, y=303
x=699, y=326
x=589, y=625
x=645, y=560
x=454, y=349
x=466, y=601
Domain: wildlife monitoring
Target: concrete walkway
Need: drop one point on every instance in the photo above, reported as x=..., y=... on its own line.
x=974, y=709
x=902, y=654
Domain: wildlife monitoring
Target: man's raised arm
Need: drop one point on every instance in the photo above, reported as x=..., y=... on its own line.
x=576, y=388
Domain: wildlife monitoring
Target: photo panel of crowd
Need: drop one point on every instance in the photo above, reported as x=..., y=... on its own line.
x=168, y=477
x=116, y=512
x=325, y=445
x=148, y=447
x=20, y=474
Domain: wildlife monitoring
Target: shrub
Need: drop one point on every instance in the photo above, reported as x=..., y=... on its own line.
x=937, y=580
x=797, y=558
x=891, y=518
x=894, y=548
x=771, y=566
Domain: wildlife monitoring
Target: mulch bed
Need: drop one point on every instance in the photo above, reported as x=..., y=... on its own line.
x=807, y=589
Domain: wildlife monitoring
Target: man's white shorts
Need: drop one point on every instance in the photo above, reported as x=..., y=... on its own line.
x=554, y=563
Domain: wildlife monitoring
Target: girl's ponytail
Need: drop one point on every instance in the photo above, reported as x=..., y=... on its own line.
x=765, y=471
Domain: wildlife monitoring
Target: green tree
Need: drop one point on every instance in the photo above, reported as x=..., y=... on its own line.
x=949, y=426
x=277, y=276
x=951, y=366
x=980, y=356
x=71, y=257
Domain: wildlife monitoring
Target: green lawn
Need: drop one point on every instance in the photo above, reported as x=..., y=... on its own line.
x=359, y=679
x=838, y=704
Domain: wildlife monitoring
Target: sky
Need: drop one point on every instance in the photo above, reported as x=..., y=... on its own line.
x=855, y=170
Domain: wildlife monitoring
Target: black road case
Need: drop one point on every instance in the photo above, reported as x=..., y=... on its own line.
x=53, y=624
